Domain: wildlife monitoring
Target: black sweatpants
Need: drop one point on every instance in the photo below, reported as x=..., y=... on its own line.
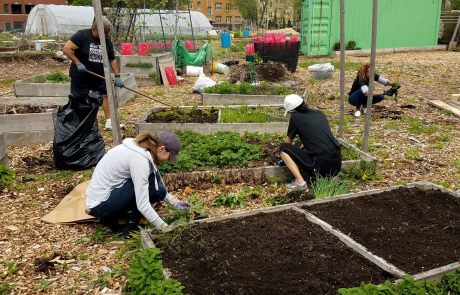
x=328, y=164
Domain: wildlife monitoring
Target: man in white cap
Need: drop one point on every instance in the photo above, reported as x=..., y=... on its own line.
x=320, y=151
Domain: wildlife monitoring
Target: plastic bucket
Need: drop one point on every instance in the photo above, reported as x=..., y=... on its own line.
x=246, y=32
x=225, y=40
x=38, y=46
x=193, y=71
x=219, y=68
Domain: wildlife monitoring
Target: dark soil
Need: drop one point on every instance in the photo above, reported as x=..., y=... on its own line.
x=413, y=229
x=23, y=109
x=291, y=197
x=271, y=72
x=277, y=253
x=184, y=116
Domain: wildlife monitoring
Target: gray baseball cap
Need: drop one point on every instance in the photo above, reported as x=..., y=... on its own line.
x=172, y=144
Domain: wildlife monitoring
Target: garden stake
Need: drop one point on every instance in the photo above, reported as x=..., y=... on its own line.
x=137, y=92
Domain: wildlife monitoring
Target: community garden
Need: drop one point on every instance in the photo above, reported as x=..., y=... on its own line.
x=389, y=222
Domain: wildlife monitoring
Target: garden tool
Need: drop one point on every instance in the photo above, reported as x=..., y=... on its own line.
x=393, y=91
x=137, y=92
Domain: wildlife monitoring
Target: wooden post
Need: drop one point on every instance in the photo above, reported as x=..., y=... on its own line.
x=116, y=133
x=452, y=41
x=370, y=93
x=342, y=68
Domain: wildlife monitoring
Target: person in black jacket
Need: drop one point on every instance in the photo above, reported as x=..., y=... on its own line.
x=85, y=51
x=320, y=151
x=358, y=93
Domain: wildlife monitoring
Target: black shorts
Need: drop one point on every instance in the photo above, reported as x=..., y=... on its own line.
x=80, y=87
x=328, y=164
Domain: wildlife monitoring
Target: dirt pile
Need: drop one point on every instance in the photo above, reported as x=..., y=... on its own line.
x=271, y=72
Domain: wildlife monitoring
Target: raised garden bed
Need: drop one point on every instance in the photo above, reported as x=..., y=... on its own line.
x=27, y=124
x=144, y=68
x=29, y=88
x=205, y=127
x=251, y=253
x=267, y=253
x=3, y=151
x=416, y=228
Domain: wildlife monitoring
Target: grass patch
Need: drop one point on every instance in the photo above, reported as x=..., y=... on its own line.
x=247, y=114
x=246, y=88
x=349, y=154
x=416, y=126
x=443, y=137
x=325, y=187
x=412, y=154
x=456, y=163
x=143, y=65
x=54, y=77
x=7, y=82
x=7, y=177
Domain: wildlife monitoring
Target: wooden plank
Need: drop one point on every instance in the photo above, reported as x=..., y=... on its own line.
x=163, y=64
x=3, y=151
x=27, y=122
x=31, y=137
x=444, y=106
x=437, y=273
x=382, y=263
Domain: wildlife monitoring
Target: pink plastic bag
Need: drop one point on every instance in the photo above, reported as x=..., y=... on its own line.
x=189, y=45
x=250, y=50
x=294, y=39
x=143, y=49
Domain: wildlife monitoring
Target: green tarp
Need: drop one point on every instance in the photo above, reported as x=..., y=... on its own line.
x=184, y=58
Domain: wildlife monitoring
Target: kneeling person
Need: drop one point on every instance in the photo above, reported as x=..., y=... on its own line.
x=126, y=181
x=320, y=151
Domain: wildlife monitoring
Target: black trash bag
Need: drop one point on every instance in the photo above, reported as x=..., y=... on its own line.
x=77, y=144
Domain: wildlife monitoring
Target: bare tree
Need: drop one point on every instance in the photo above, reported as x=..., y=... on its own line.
x=262, y=11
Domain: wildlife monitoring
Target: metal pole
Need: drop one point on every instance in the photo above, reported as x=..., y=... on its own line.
x=342, y=68
x=452, y=42
x=177, y=20
x=116, y=133
x=162, y=29
x=143, y=31
x=191, y=26
x=370, y=93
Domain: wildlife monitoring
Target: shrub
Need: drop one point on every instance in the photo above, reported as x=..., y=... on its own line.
x=145, y=275
x=57, y=77
x=351, y=45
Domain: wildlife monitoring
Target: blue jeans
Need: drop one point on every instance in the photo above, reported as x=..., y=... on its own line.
x=122, y=203
x=358, y=99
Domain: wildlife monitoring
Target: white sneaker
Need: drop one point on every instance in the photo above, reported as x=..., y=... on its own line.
x=295, y=186
x=357, y=114
x=364, y=110
x=108, y=125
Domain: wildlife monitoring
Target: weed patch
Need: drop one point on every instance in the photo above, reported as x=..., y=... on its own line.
x=416, y=126
x=248, y=89
x=54, y=77
x=229, y=200
x=363, y=173
x=412, y=154
x=7, y=176
x=324, y=187
x=247, y=114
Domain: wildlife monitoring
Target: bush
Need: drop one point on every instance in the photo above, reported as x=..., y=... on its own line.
x=351, y=45
x=145, y=275
x=57, y=77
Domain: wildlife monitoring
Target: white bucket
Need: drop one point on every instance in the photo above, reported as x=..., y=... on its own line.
x=220, y=68
x=38, y=46
x=193, y=71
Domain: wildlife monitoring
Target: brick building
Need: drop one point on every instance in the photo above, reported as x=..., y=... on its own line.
x=221, y=13
x=13, y=13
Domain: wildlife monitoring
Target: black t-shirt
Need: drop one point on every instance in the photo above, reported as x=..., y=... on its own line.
x=89, y=53
x=314, y=132
x=357, y=83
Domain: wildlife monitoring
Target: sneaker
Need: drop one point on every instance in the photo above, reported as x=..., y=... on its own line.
x=295, y=186
x=280, y=163
x=364, y=110
x=108, y=125
x=357, y=114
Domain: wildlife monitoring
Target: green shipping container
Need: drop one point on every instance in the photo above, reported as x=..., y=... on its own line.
x=401, y=23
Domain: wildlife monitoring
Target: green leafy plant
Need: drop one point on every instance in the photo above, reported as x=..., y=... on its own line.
x=237, y=34
x=247, y=89
x=416, y=126
x=324, y=187
x=363, y=173
x=43, y=284
x=57, y=77
x=98, y=236
x=144, y=65
x=177, y=216
x=222, y=149
x=145, y=275
x=229, y=200
x=246, y=114
x=349, y=154
x=7, y=176
x=351, y=45
x=11, y=269
x=449, y=284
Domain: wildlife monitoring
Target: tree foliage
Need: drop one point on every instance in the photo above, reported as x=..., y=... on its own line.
x=247, y=8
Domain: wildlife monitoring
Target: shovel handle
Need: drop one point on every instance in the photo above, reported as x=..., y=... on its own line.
x=135, y=91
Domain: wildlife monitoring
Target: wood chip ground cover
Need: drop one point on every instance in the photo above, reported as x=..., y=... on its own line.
x=233, y=257
x=24, y=238
x=413, y=229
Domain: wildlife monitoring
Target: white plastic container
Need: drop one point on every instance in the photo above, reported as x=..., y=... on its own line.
x=321, y=71
x=220, y=68
x=38, y=46
x=193, y=71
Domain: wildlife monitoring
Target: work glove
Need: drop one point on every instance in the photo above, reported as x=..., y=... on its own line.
x=119, y=82
x=182, y=206
x=81, y=68
x=160, y=224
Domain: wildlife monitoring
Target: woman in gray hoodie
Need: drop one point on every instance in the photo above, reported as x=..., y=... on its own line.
x=126, y=181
